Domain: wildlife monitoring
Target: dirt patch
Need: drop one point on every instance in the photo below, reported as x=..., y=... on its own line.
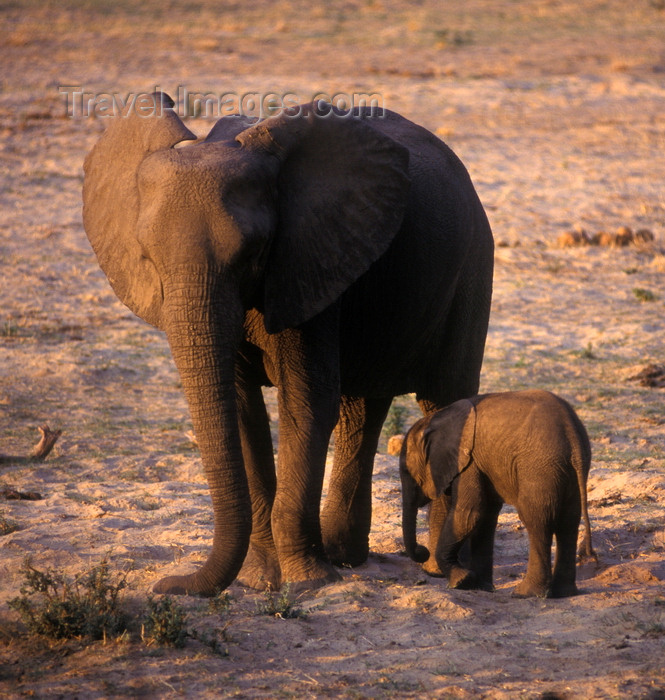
x=557, y=110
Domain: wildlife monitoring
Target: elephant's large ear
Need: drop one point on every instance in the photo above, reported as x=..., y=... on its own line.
x=111, y=199
x=449, y=441
x=343, y=188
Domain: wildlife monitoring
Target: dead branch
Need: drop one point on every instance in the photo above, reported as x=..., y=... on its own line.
x=45, y=445
x=40, y=451
x=14, y=495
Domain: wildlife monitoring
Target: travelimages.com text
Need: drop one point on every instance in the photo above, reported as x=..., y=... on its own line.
x=81, y=103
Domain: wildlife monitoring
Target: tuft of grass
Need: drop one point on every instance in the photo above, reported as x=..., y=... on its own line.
x=7, y=525
x=52, y=606
x=9, y=330
x=586, y=353
x=165, y=623
x=644, y=294
x=279, y=605
x=452, y=37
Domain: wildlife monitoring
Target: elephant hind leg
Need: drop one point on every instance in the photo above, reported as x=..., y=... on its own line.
x=540, y=529
x=347, y=511
x=565, y=561
x=563, y=578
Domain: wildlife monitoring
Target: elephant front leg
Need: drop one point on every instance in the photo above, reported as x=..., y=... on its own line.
x=482, y=545
x=306, y=424
x=464, y=517
x=261, y=568
x=453, y=537
x=347, y=513
x=438, y=512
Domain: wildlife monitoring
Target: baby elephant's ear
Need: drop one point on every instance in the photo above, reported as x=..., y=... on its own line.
x=449, y=442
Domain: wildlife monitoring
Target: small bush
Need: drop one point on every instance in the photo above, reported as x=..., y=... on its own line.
x=54, y=607
x=165, y=623
x=644, y=294
x=7, y=525
x=279, y=605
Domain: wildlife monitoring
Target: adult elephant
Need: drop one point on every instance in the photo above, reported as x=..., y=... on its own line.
x=342, y=257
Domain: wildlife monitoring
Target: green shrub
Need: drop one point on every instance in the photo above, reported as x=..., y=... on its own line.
x=165, y=623
x=52, y=606
x=7, y=525
x=221, y=603
x=644, y=294
x=279, y=604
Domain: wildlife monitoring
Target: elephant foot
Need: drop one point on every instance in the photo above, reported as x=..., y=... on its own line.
x=462, y=579
x=260, y=570
x=298, y=587
x=526, y=589
x=345, y=553
x=318, y=575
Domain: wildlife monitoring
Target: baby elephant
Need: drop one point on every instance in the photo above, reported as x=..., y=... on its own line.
x=525, y=448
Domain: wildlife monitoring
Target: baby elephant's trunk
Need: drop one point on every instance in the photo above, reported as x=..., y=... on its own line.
x=412, y=499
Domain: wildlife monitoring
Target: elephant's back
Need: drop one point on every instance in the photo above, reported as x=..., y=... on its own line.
x=535, y=415
x=400, y=308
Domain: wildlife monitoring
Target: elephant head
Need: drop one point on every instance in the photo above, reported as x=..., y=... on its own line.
x=280, y=215
x=436, y=450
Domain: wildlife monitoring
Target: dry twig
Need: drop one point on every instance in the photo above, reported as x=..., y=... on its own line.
x=41, y=449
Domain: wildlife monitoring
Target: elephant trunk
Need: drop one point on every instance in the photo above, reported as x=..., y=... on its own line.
x=412, y=499
x=204, y=320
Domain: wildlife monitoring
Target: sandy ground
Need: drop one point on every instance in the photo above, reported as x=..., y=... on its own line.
x=558, y=110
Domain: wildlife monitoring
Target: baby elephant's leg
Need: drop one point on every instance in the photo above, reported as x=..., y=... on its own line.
x=565, y=532
x=482, y=544
x=538, y=521
x=464, y=516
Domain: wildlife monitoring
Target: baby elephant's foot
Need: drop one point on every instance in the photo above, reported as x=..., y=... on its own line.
x=462, y=579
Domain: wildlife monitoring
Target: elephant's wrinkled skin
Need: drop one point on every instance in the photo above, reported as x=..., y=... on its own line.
x=528, y=449
x=341, y=257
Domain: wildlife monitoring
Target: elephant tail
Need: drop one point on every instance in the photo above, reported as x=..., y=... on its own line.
x=581, y=459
